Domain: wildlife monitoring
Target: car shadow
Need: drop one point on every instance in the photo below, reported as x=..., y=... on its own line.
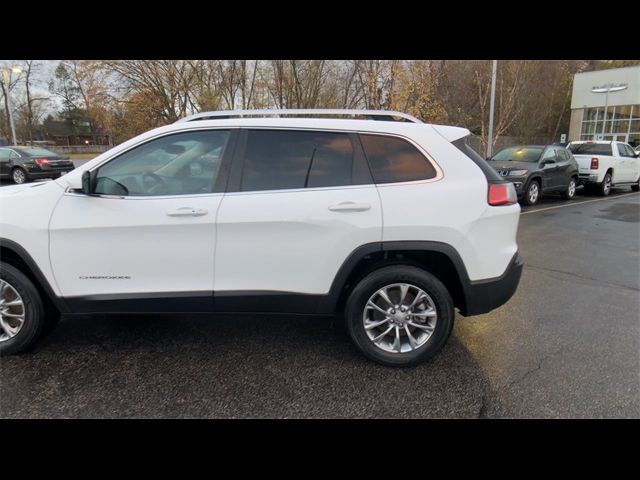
x=241, y=366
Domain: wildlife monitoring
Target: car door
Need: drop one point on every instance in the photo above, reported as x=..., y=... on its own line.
x=628, y=163
x=552, y=172
x=299, y=203
x=565, y=166
x=5, y=165
x=145, y=240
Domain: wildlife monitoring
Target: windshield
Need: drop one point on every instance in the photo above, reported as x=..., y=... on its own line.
x=590, y=148
x=518, y=154
x=39, y=152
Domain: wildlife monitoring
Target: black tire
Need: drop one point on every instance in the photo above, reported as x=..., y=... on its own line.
x=570, y=192
x=604, y=188
x=529, y=198
x=400, y=274
x=19, y=175
x=34, y=319
x=636, y=187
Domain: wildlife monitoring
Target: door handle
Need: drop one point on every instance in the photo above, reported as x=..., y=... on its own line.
x=187, y=212
x=349, y=207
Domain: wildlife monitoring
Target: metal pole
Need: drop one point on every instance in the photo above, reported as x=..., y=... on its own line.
x=606, y=106
x=491, y=108
x=5, y=73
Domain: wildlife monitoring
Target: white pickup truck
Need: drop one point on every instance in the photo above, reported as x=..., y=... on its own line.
x=606, y=164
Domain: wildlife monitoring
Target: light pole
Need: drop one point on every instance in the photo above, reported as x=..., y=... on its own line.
x=491, y=108
x=6, y=72
x=606, y=88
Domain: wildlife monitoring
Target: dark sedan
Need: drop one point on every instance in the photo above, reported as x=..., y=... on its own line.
x=23, y=164
x=538, y=169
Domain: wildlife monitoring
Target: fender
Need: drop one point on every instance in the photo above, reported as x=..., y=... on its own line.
x=40, y=279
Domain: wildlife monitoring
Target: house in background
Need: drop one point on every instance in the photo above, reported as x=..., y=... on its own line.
x=64, y=134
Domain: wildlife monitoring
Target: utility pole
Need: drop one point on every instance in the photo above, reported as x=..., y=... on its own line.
x=491, y=108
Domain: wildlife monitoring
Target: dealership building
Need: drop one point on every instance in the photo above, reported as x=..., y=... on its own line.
x=605, y=105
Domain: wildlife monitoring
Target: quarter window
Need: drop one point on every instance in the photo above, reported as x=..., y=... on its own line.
x=180, y=164
x=393, y=160
x=283, y=159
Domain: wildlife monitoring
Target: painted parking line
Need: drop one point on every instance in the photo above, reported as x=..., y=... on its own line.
x=579, y=203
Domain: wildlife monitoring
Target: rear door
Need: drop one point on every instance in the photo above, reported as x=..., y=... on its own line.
x=299, y=202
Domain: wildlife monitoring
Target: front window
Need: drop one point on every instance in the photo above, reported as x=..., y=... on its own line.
x=179, y=164
x=518, y=154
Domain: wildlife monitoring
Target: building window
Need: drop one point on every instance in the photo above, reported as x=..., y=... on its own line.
x=622, y=123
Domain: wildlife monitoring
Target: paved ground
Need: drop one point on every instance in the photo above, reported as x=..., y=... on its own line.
x=566, y=345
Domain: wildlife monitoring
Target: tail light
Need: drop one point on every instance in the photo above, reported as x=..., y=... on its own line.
x=502, y=194
x=594, y=163
x=42, y=161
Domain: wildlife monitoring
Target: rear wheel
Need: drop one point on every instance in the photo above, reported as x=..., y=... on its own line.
x=604, y=188
x=21, y=311
x=532, y=193
x=19, y=175
x=636, y=187
x=570, y=191
x=399, y=316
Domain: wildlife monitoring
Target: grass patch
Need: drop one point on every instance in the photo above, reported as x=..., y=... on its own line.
x=82, y=156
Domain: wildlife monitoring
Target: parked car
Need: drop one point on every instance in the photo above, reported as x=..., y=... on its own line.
x=23, y=164
x=269, y=216
x=538, y=169
x=606, y=164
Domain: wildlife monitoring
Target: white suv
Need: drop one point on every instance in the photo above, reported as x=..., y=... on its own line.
x=390, y=221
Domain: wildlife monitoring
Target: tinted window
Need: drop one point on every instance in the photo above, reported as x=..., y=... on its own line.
x=393, y=159
x=180, y=164
x=4, y=153
x=563, y=155
x=39, y=152
x=590, y=148
x=518, y=154
x=281, y=159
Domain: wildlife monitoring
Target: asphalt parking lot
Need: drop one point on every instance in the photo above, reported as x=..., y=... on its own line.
x=566, y=345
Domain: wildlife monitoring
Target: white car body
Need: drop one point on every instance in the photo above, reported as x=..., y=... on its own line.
x=624, y=168
x=95, y=249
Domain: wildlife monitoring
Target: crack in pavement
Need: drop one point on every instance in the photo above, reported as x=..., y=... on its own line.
x=584, y=277
x=530, y=371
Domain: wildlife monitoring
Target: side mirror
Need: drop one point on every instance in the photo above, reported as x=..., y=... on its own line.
x=547, y=162
x=86, y=183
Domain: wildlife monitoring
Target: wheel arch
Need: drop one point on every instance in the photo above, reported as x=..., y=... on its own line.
x=437, y=258
x=15, y=255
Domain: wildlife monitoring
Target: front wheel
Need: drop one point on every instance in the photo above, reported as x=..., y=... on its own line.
x=570, y=191
x=532, y=193
x=399, y=316
x=636, y=187
x=21, y=311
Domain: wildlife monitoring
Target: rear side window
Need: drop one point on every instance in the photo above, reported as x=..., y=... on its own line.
x=489, y=172
x=590, y=148
x=282, y=159
x=393, y=160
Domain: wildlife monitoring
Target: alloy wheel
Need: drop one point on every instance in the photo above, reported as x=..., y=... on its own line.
x=12, y=311
x=18, y=176
x=533, y=193
x=571, y=191
x=399, y=318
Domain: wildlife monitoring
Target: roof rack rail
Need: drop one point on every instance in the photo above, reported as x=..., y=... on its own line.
x=387, y=115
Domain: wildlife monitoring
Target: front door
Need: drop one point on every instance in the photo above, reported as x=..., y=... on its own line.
x=146, y=240
x=552, y=170
x=301, y=202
